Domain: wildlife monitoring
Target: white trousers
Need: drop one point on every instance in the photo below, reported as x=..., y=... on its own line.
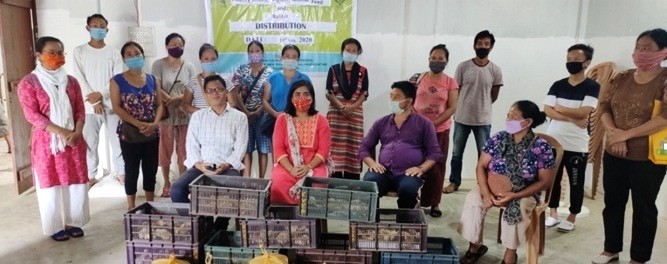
x=472, y=221
x=54, y=202
x=91, y=133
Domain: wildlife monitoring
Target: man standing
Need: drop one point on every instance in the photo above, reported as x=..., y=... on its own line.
x=95, y=63
x=479, y=80
x=409, y=147
x=568, y=104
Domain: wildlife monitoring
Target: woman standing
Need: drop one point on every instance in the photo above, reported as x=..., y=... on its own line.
x=626, y=109
x=52, y=103
x=173, y=72
x=250, y=80
x=437, y=94
x=193, y=98
x=136, y=100
x=347, y=89
x=302, y=141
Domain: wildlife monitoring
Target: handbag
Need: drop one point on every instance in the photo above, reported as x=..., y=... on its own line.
x=132, y=134
x=499, y=183
x=657, y=142
x=165, y=113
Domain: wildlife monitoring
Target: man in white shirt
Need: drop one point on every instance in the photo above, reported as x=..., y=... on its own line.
x=216, y=140
x=95, y=63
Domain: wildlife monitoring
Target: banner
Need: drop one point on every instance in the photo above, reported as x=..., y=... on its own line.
x=317, y=27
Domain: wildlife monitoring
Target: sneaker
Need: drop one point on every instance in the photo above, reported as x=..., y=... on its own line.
x=602, y=258
x=565, y=226
x=550, y=222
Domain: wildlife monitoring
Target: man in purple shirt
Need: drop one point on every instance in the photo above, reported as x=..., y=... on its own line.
x=409, y=147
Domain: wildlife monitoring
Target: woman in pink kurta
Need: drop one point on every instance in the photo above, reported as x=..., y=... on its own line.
x=301, y=144
x=58, y=150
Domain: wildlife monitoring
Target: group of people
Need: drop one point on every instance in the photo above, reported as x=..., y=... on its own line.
x=216, y=124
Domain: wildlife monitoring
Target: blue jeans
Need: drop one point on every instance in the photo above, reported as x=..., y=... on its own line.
x=461, y=133
x=407, y=187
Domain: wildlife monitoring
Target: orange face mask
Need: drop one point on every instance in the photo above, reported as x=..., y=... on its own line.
x=53, y=61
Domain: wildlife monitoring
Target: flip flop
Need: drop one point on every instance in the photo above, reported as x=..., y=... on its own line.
x=470, y=257
x=74, y=231
x=121, y=178
x=62, y=235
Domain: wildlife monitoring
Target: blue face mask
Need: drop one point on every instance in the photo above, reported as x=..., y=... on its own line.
x=135, y=63
x=349, y=57
x=210, y=66
x=395, y=107
x=289, y=64
x=98, y=33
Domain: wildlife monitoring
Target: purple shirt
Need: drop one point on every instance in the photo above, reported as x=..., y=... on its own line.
x=402, y=148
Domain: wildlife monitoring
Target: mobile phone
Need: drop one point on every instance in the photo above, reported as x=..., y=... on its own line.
x=211, y=167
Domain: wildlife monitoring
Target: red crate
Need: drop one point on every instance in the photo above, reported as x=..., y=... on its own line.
x=145, y=253
x=403, y=230
x=333, y=249
x=284, y=229
x=166, y=223
x=230, y=196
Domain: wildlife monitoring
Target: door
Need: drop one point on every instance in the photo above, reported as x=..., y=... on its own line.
x=18, y=28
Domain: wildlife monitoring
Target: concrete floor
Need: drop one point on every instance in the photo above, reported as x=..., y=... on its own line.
x=23, y=242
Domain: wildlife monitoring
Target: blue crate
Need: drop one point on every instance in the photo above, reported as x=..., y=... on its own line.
x=439, y=251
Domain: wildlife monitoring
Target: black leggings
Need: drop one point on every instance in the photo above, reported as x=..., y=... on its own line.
x=144, y=155
x=345, y=175
x=575, y=164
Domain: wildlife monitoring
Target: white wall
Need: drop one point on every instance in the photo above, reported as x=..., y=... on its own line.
x=531, y=38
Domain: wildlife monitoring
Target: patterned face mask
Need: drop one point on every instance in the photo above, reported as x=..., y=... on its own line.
x=302, y=104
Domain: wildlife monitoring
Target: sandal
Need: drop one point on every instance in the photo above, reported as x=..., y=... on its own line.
x=516, y=259
x=435, y=213
x=452, y=187
x=165, y=192
x=121, y=178
x=62, y=235
x=74, y=231
x=470, y=257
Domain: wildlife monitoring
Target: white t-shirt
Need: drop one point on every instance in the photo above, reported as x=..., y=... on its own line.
x=94, y=68
x=475, y=82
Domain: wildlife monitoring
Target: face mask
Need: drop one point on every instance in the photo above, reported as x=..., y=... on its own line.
x=53, y=61
x=574, y=67
x=175, y=52
x=135, y=63
x=482, y=52
x=289, y=64
x=349, y=57
x=209, y=66
x=647, y=60
x=98, y=33
x=437, y=66
x=513, y=126
x=395, y=107
x=302, y=104
x=255, y=58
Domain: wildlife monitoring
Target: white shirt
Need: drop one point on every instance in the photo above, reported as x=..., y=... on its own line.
x=94, y=68
x=214, y=138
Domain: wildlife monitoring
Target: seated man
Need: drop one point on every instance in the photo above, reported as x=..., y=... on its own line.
x=216, y=141
x=409, y=147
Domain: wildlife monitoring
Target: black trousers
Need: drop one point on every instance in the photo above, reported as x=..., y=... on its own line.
x=575, y=164
x=642, y=180
x=136, y=155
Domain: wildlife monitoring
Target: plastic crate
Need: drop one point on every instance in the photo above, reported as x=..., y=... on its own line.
x=403, y=230
x=338, y=199
x=225, y=248
x=333, y=249
x=230, y=196
x=146, y=252
x=166, y=223
x=440, y=251
x=284, y=230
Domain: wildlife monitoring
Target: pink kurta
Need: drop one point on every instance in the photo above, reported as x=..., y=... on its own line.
x=314, y=140
x=67, y=167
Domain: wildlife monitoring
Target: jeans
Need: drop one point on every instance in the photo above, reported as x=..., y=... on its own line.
x=461, y=133
x=406, y=186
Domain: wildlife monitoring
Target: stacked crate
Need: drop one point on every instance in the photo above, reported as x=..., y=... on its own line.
x=157, y=230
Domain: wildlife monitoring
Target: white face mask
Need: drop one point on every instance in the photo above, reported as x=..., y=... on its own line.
x=395, y=107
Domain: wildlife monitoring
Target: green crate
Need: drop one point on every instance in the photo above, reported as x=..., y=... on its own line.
x=338, y=199
x=225, y=248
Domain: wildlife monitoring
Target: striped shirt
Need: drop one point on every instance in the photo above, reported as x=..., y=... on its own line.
x=214, y=138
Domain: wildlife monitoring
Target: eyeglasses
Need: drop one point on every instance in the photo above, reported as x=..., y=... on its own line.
x=54, y=53
x=214, y=90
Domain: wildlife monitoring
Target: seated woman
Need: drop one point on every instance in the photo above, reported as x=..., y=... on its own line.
x=301, y=144
x=522, y=161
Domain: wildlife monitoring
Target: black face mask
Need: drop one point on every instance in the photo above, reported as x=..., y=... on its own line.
x=482, y=52
x=437, y=66
x=574, y=67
